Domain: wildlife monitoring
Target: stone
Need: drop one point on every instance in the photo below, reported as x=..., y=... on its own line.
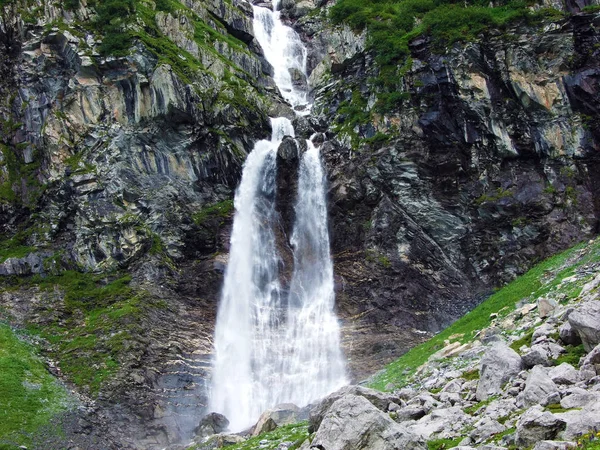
x=563, y=374
x=537, y=425
x=264, y=425
x=535, y=356
x=485, y=429
x=578, y=398
x=591, y=362
x=283, y=414
x=581, y=421
x=539, y=387
x=546, y=306
x=212, y=423
x=585, y=320
x=452, y=419
x=555, y=445
x=542, y=332
x=413, y=412
x=499, y=364
x=379, y=399
x=568, y=335
x=353, y=422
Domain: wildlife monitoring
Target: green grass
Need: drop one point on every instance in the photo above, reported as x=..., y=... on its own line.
x=540, y=280
x=96, y=326
x=524, y=340
x=29, y=395
x=441, y=444
x=215, y=211
x=471, y=375
x=572, y=355
x=296, y=433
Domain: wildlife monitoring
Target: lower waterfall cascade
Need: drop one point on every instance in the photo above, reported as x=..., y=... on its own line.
x=275, y=345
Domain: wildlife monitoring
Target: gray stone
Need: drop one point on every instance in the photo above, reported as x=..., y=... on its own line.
x=536, y=355
x=283, y=414
x=555, y=445
x=585, y=320
x=581, y=421
x=536, y=425
x=452, y=419
x=546, y=306
x=485, y=429
x=578, y=398
x=538, y=388
x=352, y=422
x=591, y=362
x=568, y=335
x=212, y=423
x=563, y=374
x=379, y=399
x=412, y=412
x=499, y=364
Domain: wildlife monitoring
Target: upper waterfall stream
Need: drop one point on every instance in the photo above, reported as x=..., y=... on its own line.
x=275, y=345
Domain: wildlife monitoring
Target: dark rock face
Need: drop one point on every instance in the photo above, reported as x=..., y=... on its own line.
x=489, y=164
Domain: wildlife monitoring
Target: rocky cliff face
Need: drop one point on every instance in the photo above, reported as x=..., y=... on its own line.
x=121, y=170
x=487, y=162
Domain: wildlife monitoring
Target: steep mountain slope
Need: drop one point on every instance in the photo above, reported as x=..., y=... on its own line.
x=453, y=167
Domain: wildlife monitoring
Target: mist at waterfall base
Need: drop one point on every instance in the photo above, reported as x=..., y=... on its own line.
x=274, y=346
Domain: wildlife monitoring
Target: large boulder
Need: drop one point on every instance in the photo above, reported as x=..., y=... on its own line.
x=212, y=423
x=563, y=374
x=539, y=389
x=585, y=320
x=354, y=423
x=555, y=445
x=283, y=414
x=581, y=421
x=380, y=400
x=499, y=364
x=536, y=425
x=441, y=419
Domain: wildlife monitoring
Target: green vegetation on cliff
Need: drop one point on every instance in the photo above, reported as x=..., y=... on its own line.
x=392, y=24
x=29, y=395
x=545, y=277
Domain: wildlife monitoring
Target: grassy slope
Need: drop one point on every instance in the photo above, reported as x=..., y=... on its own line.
x=29, y=395
x=541, y=279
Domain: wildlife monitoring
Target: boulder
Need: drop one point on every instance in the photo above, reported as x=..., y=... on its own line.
x=555, y=445
x=441, y=419
x=592, y=361
x=539, y=387
x=353, y=423
x=546, y=306
x=536, y=425
x=578, y=398
x=499, y=364
x=485, y=429
x=568, y=335
x=581, y=421
x=380, y=400
x=563, y=374
x=283, y=414
x=212, y=423
x=585, y=320
x=536, y=355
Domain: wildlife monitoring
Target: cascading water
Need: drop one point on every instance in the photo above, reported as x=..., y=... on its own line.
x=272, y=348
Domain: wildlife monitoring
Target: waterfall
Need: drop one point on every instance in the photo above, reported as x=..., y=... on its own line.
x=273, y=347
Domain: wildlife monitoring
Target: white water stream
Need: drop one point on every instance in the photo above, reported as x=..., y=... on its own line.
x=273, y=347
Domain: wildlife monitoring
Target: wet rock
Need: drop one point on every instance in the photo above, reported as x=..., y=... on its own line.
x=212, y=423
